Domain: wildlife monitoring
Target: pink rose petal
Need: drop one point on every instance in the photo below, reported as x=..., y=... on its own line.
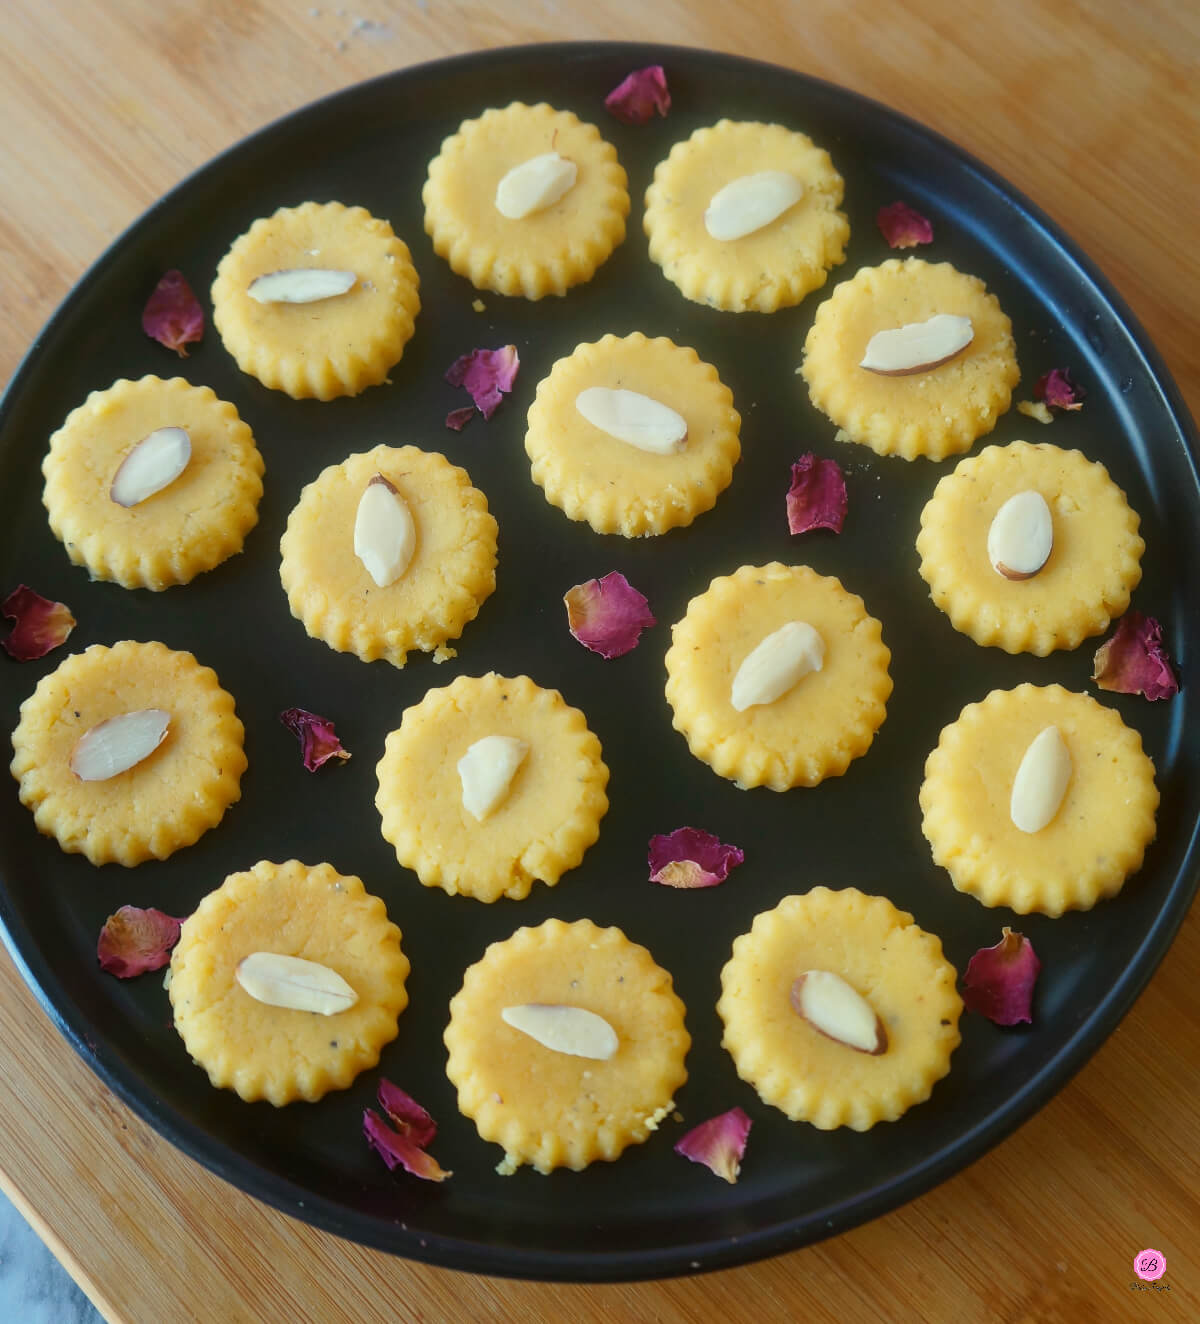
x=40, y=624
x=607, y=615
x=718, y=1143
x=817, y=496
x=134, y=941
x=1134, y=660
x=691, y=857
x=173, y=315
x=635, y=99
x=488, y=374
x=457, y=419
x=398, y=1151
x=999, y=980
x=318, y=740
x=903, y=227
x=406, y=1114
x=1058, y=390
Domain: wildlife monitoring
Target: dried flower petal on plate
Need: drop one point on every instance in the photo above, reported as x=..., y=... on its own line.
x=1134, y=660
x=607, y=615
x=999, y=980
x=40, y=624
x=817, y=496
x=457, y=419
x=406, y=1114
x=173, y=315
x=318, y=740
x=134, y=941
x=691, y=857
x=636, y=97
x=719, y=1143
x=403, y=1145
x=1058, y=390
x=903, y=227
x=488, y=374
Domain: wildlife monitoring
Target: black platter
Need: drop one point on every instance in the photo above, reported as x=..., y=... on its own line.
x=651, y=1213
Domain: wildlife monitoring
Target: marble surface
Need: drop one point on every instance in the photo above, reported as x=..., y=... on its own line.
x=34, y=1287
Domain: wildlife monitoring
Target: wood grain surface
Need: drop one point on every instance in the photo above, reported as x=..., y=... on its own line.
x=1089, y=109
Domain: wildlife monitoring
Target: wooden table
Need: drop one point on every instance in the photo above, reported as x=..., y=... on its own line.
x=1091, y=110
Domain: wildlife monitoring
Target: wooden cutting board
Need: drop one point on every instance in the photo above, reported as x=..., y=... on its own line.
x=1090, y=109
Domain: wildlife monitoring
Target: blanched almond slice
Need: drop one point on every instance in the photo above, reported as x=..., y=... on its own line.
x=778, y=663
x=917, y=346
x=292, y=982
x=118, y=744
x=486, y=771
x=154, y=463
x=633, y=418
x=301, y=285
x=749, y=202
x=838, y=1011
x=1021, y=536
x=564, y=1029
x=534, y=185
x=1041, y=781
x=385, y=535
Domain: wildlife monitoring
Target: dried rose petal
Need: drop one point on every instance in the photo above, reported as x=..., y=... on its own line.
x=1134, y=660
x=902, y=227
x=999, y=980
x=487, y=374
x=406, y=1114
x=173, y=315
x=691, y=857
x=399, y=1151
x=607, y=615
x=1058, y=390
x=318, y=740
x=134, y=941
x=457, y=419
x=817, y=496
x=635, y=99
x=718, y=1143
x=40, y=624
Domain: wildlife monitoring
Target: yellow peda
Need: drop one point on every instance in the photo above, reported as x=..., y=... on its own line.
x=545, y=250
x=885, y=958
x=552, y=806
x=167, y=800
x=771, y=267
x=1093, y=567
x=191, y=525
x=337, y=344
x=278, y=1053
x=1102, y=826
x=550, y=1108
x=813, y=730
x=936, y=412
x=451, y=573
x=614, y=485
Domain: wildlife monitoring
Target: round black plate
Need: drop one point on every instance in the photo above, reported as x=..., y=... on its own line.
x=652, y=1213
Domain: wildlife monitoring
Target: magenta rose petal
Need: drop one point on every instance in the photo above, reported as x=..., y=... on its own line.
x=902, y=227
x=173, y=315
x=487, y=374
x=817, y=496
x=457, y=419
x=691, y=857
x=607, y=615
x=1058, y=391
x=318, y=740
x=999, y=980
x=406, y=1114
x=399, y=1151
x=1134, y=660
x=636, y=98
x=134, y=941
x=40, y=624
x=719, y=1143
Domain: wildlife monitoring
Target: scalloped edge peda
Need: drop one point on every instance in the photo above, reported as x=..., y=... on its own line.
x=79, y=822
x=142, y=558
x=1027, y=616
x=502, y=1120
x=794, y=1067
